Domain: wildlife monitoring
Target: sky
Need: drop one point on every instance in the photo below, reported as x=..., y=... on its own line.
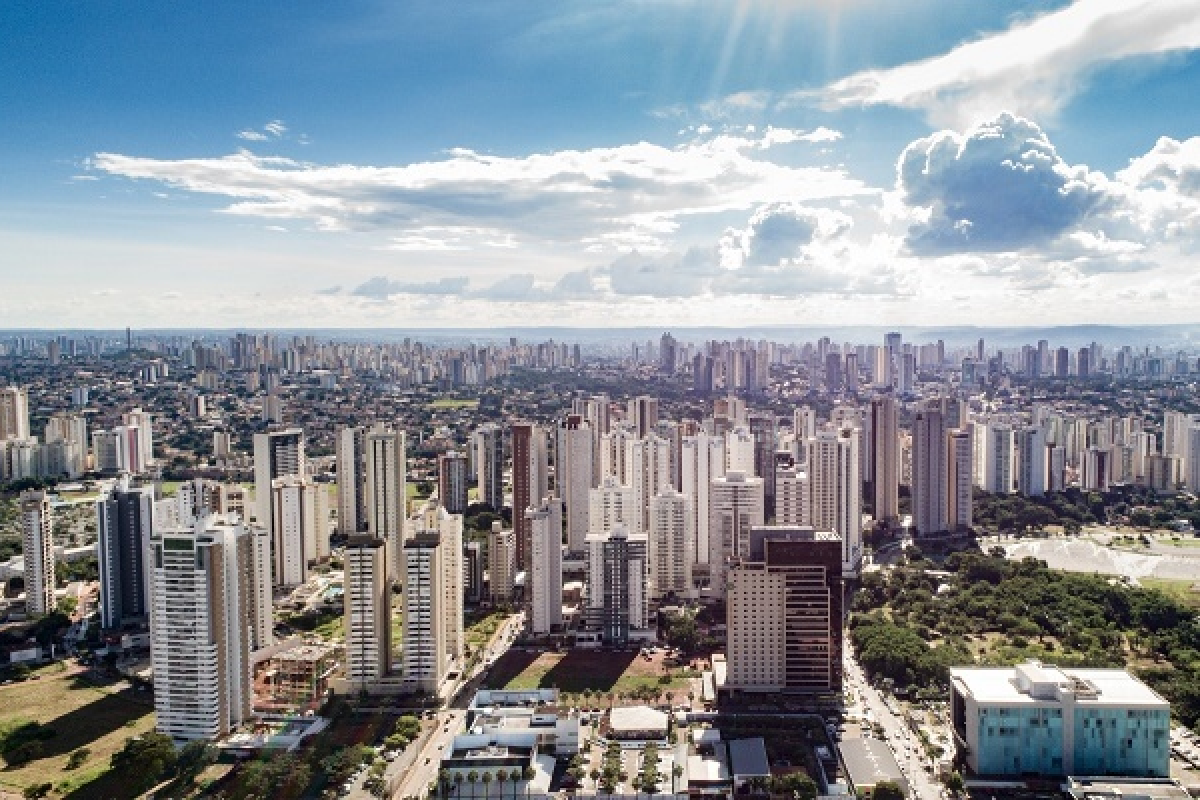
x=391, y=163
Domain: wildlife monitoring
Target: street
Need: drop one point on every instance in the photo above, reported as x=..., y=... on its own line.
x=910, y=754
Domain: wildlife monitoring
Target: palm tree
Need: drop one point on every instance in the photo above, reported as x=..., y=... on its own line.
x=487, y=781
x=443, y=782
x=515, y=777
x=472, y=778
x=528, y=774
x=458, y=779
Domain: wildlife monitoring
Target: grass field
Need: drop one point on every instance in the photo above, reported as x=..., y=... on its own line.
x=452, y=402
x=1180, y=590
x=480, y=629
x=577, y=670
x=81, y=715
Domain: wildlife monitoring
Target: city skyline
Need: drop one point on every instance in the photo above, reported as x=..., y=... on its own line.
x=669, y=163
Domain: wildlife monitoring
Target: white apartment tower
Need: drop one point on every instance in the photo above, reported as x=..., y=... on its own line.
x=14, y=413
x=735, y=506
x=368, y=609
x=929, y=472
x=648, y=462
x=610, y=503
x=299, y=525
x=959, y=486
x=545, y=574
x=670, y=541
x=791, y=495
x=387, y=498
x=201, y=581
x=502, y=554
x=885, y=459
x=277, y=454
x=703, y=462
x=37, y=539
x=424, y=643
x=434, y=519
x=350, y=451
x=835, y=491
x=574, y=477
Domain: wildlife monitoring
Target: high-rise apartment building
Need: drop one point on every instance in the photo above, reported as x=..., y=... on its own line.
x=763, y=428
x=368, y=610
x=489, y=461
x=434, y=519
x=959, y=484
x=299, y=528
x=735, y=506
x=574, y=477
x=617, y=578
x=452, y=481
x=37, y=539
x=530, y=479
x=387, y=491
x=784, y=614
x=835, y=491
x=424, y=643
x=648, y=465
x=14, y=413
x=670, y=540
x=643, y=413
x=999, y=458
x=703, y=458
x=201, y=595
x=502, y=554
x=885, y=460
x=143, y=421
x=277, y=454
x=929, y=472
x=72, y=431
x=125, y=523
x=544, y=596
x=791, y=493
x=350, y=451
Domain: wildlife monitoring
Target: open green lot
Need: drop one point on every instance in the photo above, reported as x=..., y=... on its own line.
x=75, y=714
x=1181, y=591
x=454, y=402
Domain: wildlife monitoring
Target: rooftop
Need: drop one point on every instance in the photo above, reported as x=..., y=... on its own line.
x=1033, y=683
x=869, y=761
x=748, y=757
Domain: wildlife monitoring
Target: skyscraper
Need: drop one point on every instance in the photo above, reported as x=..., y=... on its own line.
x=959, y=508
x=643, y=413
x=434, y=519
x=352, y=480
x=784, y=614
x=735, y=505
x=763, y=428
x=489, y=460
x=278, y=454
x=368, y=609
x=545, y=571
x=574, y=477
x=125, y=523
x=387, y=491
x=299, y=523
x=201, y=581
x=617, y=591
x=14, y=413
x=37, y=539
x=502, y=553
x=452, y=481
x=835, y=491
x=424, y=643
x=929, y=479
x=885, y=460
x=530, y=478
x=670, y=541
x=703, y=459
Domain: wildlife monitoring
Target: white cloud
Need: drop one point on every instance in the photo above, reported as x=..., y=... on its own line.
x=1032, y=68
x=999, y=187
x=618, y=197
x=275, y=129
x=252, y=136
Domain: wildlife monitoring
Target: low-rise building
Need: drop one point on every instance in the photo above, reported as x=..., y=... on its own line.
x=533, y=711
x=1038, y=719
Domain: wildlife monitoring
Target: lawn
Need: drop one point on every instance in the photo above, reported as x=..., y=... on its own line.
x=481, y=628
x=1178, y=589
x=454, y=402
x=577, y=670
x=81, y=715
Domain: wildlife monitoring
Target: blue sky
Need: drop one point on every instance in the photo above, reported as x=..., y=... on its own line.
x=638, y=161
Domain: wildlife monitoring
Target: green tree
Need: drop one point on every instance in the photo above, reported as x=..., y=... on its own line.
x=146, y=759
x=887, y=790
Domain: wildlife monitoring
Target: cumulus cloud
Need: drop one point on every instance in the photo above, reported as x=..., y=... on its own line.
x=1171, y=165
x=516, y=288
x=683, y=274
x=1032, y=68
x=1000, y=186
x=634, y=192
x=781, y=231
